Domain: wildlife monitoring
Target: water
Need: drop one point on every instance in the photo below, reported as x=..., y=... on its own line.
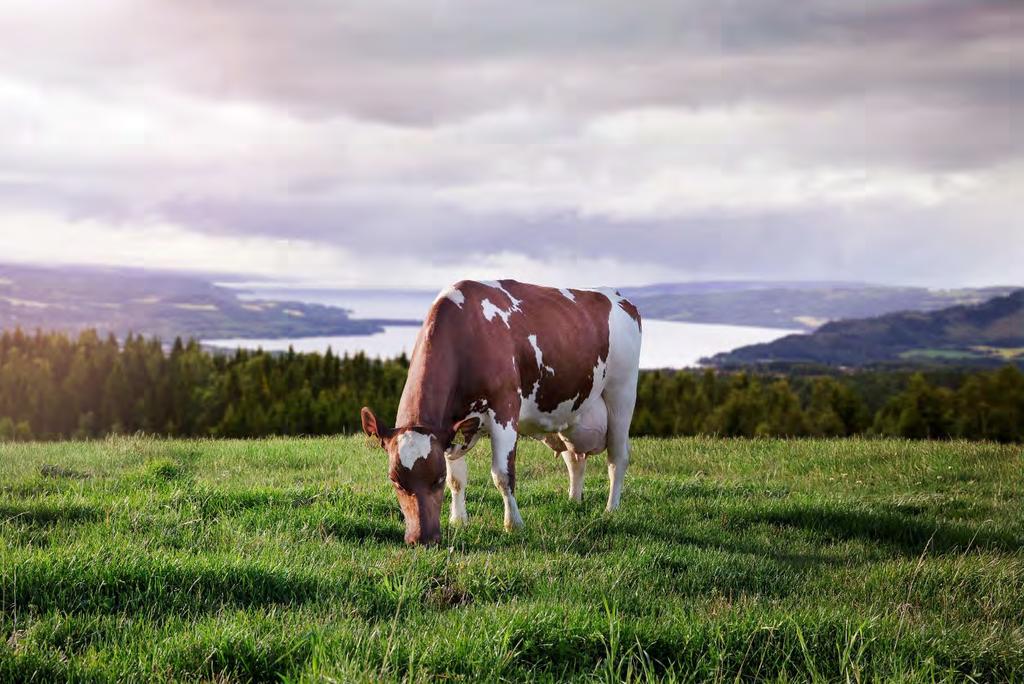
x=665, y=344
x=393, y=304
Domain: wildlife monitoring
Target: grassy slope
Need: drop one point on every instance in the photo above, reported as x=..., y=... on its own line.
x=799, y=307
x=155, y=303
x=975, y=331
x=279, y=559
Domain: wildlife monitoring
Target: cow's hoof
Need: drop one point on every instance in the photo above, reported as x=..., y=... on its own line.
x=458, y=522
x=513, y=524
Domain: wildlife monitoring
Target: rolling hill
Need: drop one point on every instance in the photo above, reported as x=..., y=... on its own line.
x=156, y=303
x=170, y=304
x=793, y=305
x=990, y=332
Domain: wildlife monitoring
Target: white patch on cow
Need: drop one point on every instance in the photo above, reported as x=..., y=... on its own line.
x=497, y=286
x=412, y=446
x=624, y=339
x=539, y=354
x=533, y=421
x=502, y=434
x=454, y=294
x=587, y=424
x=536, y=350
x=588, y=435
x=503, y=440
x=457, y=477
x=567, y=294
x=490, y=310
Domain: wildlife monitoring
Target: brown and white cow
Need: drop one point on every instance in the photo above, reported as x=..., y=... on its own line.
x=509, y=359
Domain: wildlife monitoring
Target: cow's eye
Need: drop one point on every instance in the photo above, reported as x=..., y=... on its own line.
x=440, y=482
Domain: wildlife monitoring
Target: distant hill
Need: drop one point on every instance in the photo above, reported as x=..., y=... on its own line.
x=700, y=286
x=793, y=305
x=170, y=304
x=156, y=303
x=990, y=332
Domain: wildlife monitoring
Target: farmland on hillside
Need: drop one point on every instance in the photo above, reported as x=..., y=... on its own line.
x=131, y=559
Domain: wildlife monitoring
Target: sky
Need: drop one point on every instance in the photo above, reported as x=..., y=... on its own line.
x=580, y=142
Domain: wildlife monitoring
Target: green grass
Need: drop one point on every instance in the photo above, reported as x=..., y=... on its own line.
x=136, y=559
x=1007, y=354
x=943, y=354
x=1004, y=353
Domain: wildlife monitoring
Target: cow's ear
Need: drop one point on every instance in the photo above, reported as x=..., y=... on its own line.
x=373, y=428
x=465, y=430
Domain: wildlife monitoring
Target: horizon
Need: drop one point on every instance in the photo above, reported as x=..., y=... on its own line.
x=406, y=145
x=255, y=282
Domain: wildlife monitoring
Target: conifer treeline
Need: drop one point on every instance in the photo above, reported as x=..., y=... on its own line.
x=53, y=387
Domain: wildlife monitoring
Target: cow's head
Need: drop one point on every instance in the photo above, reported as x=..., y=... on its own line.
x=417, y=469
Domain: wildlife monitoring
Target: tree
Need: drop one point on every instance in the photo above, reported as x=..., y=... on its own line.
x=53, y=386
x=6, y=429
x=921, y=411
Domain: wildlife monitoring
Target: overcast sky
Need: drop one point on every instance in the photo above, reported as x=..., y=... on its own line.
x=571, y=142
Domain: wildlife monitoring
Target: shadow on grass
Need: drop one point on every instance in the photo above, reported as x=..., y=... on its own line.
x=363, y=530
x=36, y=667
x=239, y=657
x=254, y=654
x=757, y=648
x=212, y=502
x=57, y=471
x=152, y=587
x=894, y=530
x=699, y=488
x=45, y=514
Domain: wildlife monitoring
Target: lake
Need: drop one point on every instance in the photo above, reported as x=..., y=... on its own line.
x=666, y=344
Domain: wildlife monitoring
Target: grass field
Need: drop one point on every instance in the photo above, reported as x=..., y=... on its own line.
x=135, y=559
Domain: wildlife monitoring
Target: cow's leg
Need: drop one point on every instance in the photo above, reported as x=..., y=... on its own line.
x=503, y=469
x=576, y=466
x=620, y=402
x=458, y=474
x=618, y=461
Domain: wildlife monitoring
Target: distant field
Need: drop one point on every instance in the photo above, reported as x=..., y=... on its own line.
x=136, y=559
x=1005, y=353
x=978, y=352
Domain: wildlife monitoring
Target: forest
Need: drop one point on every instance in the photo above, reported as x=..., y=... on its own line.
x=55, y=387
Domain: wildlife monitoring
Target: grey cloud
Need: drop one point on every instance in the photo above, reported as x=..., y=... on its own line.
x=440, y=62
x=420, y=63
x=881, y=243
x=425, y=64
x=921, y=85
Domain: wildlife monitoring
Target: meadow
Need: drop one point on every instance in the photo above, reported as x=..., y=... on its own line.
x=138, y=559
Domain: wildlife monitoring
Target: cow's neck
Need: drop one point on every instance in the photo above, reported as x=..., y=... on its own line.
x=430, y=389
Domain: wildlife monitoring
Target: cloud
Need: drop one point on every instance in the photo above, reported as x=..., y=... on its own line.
x=676, y=139
x=434, y=61
x=156, y=244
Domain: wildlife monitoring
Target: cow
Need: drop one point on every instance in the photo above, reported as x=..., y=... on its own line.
x=507, y=359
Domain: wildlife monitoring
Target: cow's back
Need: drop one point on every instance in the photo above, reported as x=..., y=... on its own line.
x=556, y=348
